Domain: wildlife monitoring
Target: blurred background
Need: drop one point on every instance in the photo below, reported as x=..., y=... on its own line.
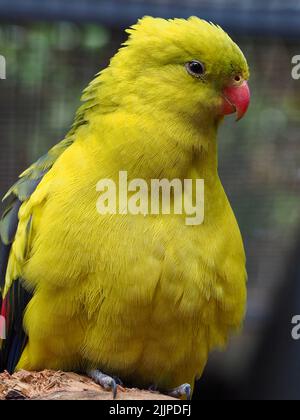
x=54, y=47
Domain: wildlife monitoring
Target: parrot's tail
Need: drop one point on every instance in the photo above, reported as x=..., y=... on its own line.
x=12, y=306
x=4, y=255
x=13, y=339
x=2, y=332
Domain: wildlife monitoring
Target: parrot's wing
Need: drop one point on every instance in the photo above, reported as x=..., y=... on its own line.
x=13, y=296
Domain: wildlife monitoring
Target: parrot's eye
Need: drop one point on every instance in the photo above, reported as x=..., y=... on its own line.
x=195, y=68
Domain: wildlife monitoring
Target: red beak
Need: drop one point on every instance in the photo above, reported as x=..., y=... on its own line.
x=236, y=100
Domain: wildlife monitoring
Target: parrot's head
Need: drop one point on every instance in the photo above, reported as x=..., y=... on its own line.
x=188, y=67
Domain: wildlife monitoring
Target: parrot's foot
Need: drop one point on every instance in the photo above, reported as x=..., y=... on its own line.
x=107, y=382
x=183, y=392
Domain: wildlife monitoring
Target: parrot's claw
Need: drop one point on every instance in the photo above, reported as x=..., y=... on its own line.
x=183, y=391
x=107, y=382
x=118, y=381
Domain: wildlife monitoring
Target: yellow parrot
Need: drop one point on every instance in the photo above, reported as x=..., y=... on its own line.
x=143, y=298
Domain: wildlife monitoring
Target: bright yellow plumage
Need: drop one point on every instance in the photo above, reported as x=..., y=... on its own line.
x=143, y=298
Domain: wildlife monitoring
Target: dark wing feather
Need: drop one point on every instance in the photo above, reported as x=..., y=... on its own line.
x=14, y=298
x=13, y=308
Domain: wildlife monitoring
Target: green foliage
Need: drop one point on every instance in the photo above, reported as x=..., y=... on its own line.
x=48, y=65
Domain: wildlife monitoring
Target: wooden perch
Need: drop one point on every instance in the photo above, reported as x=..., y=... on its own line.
x=49, y=385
